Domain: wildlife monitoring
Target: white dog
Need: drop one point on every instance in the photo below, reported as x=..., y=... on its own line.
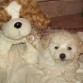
x=59, y=60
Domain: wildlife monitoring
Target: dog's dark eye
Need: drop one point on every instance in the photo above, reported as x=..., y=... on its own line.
x=69, y=48
x=56, y=47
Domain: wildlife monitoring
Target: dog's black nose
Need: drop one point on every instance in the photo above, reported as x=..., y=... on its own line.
x=18, y=25
x=62, y=56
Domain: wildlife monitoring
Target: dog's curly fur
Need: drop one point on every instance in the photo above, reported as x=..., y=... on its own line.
x=58, y=68
x=30, y=10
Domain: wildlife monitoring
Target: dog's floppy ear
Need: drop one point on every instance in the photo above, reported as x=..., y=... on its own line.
x=45, y=40
x=80, y=41
x=80, y=36
x=81, y=46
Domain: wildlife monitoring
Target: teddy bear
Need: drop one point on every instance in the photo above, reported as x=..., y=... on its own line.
x=21, y=22
x=14, y=32
x=27, y=9
x=16, y=52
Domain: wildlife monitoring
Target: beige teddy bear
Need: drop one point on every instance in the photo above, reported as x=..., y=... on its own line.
x=20, y=46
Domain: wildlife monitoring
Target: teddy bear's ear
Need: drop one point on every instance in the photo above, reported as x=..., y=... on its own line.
x=22, y=2
x=4, y=2
x=4, y=16
x=32, y=11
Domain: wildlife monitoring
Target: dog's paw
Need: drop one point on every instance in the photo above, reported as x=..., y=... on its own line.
x=69, y=77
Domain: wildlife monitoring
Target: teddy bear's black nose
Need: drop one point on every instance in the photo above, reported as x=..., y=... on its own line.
x=62, y=56
x=18, y=25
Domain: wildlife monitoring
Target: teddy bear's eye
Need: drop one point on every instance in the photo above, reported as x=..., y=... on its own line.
x=69, y=48
x=56, y=47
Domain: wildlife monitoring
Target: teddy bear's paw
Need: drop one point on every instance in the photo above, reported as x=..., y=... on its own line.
x=30, y=59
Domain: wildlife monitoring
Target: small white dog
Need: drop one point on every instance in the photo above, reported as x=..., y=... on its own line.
x=59, y=60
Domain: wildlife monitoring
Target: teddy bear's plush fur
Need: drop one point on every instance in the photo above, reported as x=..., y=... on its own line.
x=28, y=9
x=17, y=53
x=20, y=47
x=11, y=35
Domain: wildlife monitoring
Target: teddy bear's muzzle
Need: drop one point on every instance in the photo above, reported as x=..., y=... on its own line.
x=17, y=28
